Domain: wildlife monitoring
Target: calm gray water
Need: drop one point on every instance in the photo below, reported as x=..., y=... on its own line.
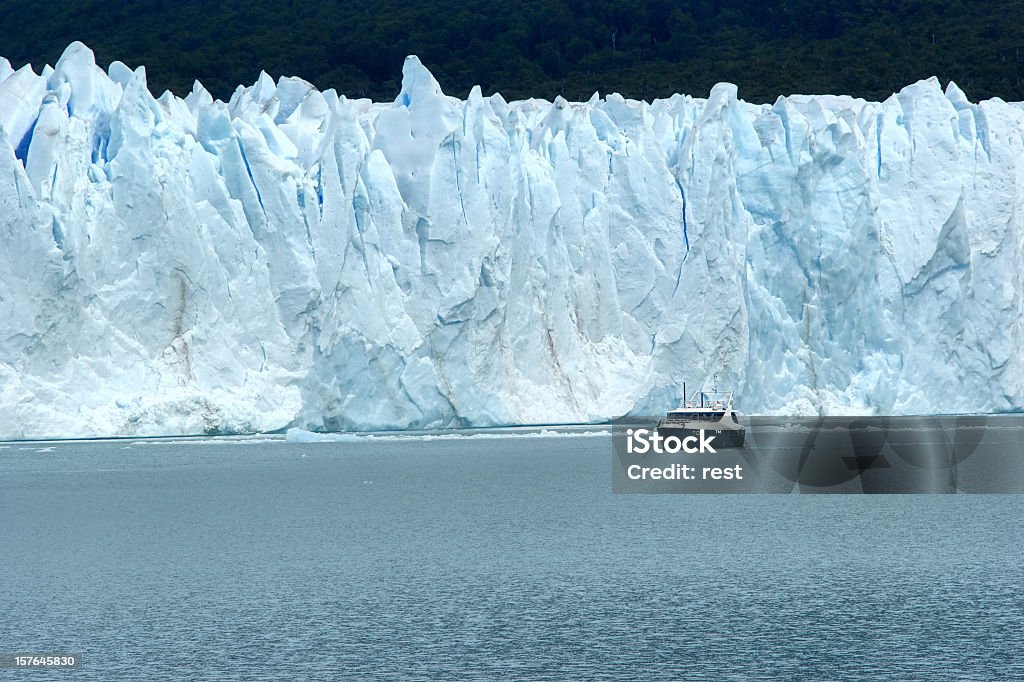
x=485, y=559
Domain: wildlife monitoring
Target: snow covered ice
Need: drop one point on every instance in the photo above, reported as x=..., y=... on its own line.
x=294, y=258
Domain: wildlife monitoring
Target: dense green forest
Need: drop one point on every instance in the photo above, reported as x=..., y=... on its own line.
x=541, y=48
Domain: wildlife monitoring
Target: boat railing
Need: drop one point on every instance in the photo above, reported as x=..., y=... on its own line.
x=710, y=400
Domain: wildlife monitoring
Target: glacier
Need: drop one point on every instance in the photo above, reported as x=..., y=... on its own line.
x=296, y=259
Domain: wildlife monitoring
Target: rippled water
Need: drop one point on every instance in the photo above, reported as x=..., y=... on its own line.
x=485, y=559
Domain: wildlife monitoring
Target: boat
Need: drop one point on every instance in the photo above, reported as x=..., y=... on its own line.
x=712, y=412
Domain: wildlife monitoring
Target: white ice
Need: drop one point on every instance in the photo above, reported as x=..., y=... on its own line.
x=294, y=258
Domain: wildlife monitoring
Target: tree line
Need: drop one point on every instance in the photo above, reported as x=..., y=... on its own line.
x=642, y=49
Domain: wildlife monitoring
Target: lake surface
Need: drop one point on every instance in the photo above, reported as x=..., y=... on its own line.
x=485, y=558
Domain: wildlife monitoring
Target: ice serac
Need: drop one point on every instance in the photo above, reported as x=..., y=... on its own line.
x=294, y=258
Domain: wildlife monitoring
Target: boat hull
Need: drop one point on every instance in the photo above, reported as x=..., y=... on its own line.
x=723, y=438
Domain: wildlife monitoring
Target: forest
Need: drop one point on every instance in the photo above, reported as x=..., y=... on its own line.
x=643, y=49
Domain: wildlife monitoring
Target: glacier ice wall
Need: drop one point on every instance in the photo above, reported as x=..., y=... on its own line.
x=293, y=257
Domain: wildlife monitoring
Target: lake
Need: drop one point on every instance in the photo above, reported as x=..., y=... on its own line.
x=484, y=558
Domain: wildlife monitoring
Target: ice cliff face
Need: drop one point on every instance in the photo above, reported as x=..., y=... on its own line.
x=293, y=257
